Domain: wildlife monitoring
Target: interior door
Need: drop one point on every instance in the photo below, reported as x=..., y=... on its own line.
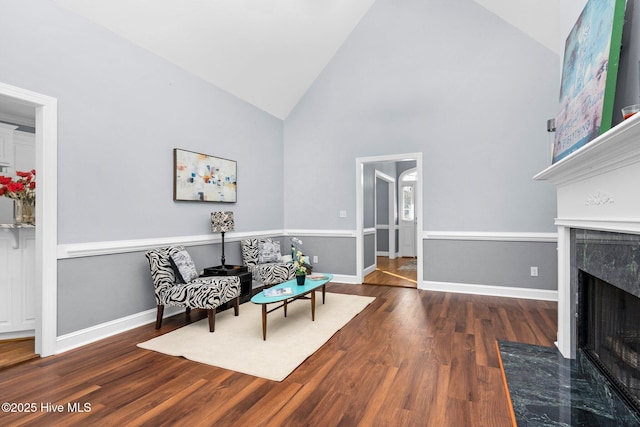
x=407, y=220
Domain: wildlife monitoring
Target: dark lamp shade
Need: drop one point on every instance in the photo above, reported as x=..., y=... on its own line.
x=222, y=222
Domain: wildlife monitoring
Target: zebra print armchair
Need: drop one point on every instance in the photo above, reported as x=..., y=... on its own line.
x=176, y=283
x=266, y=265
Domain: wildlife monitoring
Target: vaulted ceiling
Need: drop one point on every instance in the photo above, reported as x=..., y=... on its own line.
x=267, y=52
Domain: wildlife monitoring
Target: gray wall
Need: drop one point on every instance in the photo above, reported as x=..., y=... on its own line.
x=335, y=254
x=121, y=112
x=407, y=78
x=98, y=289
x=491, y=263
x=468, y=90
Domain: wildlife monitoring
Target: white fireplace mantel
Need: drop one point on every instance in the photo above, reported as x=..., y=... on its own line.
x=598, y=188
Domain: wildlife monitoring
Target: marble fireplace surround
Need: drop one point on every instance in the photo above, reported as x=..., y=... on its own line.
x=598, y=188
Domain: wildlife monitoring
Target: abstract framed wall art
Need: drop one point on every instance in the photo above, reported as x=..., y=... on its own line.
x=204, y=178
x=589, y=74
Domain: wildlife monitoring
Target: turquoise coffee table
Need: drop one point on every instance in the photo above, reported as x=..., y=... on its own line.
x=297, y=292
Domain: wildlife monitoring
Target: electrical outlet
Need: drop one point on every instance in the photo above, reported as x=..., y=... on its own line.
x=315, y=259
x=343, y=214
x=534, y=271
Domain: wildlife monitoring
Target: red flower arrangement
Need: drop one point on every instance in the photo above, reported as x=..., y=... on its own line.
x=23, y=188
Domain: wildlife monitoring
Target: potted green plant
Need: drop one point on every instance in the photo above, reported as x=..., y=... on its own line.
x=301, y=270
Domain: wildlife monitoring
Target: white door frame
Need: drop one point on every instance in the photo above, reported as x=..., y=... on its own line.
x=360, y=162
x=391, y=185
x=46, y=109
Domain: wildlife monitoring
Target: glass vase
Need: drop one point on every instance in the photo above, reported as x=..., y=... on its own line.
x=24, y=211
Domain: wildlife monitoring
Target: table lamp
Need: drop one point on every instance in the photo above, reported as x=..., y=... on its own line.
x=221, y=222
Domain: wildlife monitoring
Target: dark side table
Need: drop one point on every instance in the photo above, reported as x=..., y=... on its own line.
x=241, y=271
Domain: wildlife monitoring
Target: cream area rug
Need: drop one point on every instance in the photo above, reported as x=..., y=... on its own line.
x=237, y=343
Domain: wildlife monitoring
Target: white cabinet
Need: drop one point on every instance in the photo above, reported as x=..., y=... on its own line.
x=24, y=151
x=6, y=147
x=23, y=158
x=17, y=282
x=17, y=243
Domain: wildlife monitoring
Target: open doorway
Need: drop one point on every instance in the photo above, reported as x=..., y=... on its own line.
x=382, y=264
x=407, y=227
x=45, y=110
x=391, y=267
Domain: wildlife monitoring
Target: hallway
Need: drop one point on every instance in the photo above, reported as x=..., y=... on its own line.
x=399, y=272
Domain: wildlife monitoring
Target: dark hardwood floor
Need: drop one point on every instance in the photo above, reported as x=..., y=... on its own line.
x=15, y=351
x=411, y=358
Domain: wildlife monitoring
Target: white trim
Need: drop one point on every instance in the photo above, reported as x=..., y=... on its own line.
x=491, y=236
x=77, y=250
x=104, y=330
x=384, y=176
x=46, y=113
x=370, y=269
x=348, y=279
x=619, y=225
x=382, y=253
x=17, y=120
x=566, y=325
x=320, y=233
x=612, y=150
x=490, y=290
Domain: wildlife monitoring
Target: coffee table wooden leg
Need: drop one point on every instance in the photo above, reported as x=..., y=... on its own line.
x=323, y=292
x=313, y=305
x=285, y=308
x=264, y=322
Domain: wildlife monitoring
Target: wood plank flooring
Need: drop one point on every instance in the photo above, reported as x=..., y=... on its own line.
x=15, y=351
x=391, y=272
x=412, y=358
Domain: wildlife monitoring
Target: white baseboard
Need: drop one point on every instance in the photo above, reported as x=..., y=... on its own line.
x=369, y=269
x=95, y=333
x=345, y=278
x=387, y=254
x=490, y=290
x=471, y=288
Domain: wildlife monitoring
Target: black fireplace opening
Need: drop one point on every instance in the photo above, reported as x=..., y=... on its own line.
x=608, y=334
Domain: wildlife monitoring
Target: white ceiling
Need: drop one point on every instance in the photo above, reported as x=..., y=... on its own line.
x=540, y=19
x=267, y=52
